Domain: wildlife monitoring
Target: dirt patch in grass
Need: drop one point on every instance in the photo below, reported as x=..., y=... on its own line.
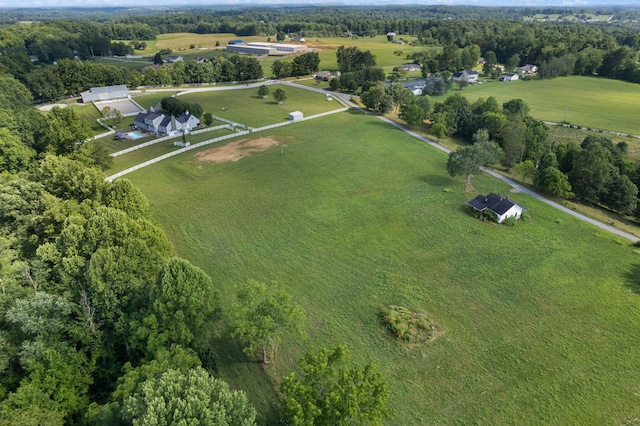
x=236, y=150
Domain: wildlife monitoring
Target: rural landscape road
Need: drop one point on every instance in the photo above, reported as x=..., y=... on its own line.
x=347, y=99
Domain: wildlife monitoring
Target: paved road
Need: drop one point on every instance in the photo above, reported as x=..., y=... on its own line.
x=347, y=99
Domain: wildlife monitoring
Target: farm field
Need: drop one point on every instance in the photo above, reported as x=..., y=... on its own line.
x=238, y=103
x=539, y=323
x=588, y=101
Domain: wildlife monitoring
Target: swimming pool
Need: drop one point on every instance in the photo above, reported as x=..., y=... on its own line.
x=135, y=135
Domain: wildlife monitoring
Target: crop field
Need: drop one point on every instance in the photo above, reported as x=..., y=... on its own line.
x=236, y=104
x=597, y=103
x=539, y=323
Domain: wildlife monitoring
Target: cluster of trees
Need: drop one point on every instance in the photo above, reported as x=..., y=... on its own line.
x=595, y=172
x=452, y=58
x=382, y=99
x=305, y=64
x=177, y=107
x=71, y=76
x=101, y=325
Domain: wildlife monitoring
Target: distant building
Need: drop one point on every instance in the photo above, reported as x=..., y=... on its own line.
x=236, y=41
x=155, y=122
x=509, y=77
x=324, y=76
x=273, y=49
x=408, y=67
x=391, y=34
x=470, y=76
x=416, y=87
x=173, y=59
x=105, y=93
x=528, y=69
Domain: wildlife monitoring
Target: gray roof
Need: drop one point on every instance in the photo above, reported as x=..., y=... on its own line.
x=108, y=89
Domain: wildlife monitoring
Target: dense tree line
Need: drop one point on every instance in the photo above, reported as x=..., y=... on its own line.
x=70, y=77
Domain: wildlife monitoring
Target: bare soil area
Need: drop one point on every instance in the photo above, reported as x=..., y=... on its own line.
x=236, y=150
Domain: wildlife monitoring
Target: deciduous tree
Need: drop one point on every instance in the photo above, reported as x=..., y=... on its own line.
x=332, y=392
x=261, y=315
x=192, y=397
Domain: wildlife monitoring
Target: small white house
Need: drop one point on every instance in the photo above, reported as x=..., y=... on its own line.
x=501, y=206
x=470, y=76
x=528, y=69
x=510, y=77
x=295, y=116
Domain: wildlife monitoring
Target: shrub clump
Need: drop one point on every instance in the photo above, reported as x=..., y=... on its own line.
x=410, y=327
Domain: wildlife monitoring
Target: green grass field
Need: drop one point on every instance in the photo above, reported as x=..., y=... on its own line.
x=541, y=321
x=90, y=114
x=239, y=103
x=597, y=103
x=141, y=155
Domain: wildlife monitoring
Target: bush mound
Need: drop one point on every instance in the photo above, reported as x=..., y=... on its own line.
x=410, y=327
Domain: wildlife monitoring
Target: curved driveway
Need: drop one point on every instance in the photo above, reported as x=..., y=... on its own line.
x=517, y=186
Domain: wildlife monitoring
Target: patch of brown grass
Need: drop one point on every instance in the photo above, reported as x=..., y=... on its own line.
x=236, y=150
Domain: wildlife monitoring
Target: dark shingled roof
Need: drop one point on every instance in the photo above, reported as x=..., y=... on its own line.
x=494, y=202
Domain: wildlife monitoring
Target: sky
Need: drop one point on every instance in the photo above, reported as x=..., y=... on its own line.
x=147, y=3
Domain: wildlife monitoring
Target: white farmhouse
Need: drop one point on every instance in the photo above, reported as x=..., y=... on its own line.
x=501, y=206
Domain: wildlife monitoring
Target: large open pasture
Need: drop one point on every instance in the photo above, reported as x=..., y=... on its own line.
x=597, y=103
x=540, y=323
x=237, y=105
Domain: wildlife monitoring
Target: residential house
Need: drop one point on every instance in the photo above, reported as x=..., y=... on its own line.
x=509, y=77
x=416, y=86
x=105, y=93
x=391, y=34
x=470, y=76
x=164, y=124
x=324, y=76
x=173, y=59
x=528, y=69
x=501, y=206
x=408, y=67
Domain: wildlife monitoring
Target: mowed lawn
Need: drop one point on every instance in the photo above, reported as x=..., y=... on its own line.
x=540, y=322
x=237, y=105
x=592, y=102
x=150, y=152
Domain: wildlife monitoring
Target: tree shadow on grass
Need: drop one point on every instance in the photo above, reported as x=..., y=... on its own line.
x=632, y=278
x=247, y=373
x=441, y=181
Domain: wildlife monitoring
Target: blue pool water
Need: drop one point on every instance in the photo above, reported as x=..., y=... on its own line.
x=135, y=135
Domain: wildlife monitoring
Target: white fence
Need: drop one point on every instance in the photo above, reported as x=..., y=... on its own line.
x=209, y=129
x=225, y=120
x=174, y=153
x=166, y=138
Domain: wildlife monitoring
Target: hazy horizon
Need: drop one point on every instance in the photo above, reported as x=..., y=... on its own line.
x=88, y=4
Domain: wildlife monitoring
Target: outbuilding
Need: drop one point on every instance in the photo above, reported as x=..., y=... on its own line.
x=295, y=116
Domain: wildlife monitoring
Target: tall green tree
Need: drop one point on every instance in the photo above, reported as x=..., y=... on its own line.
x=188, y=398
x=65, y=131
x=260, y=316
x=280, y=95
x=467, y=161
x=185, y=305
x=330, y=391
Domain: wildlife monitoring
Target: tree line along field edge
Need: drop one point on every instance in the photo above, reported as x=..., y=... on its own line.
x=354, y=216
